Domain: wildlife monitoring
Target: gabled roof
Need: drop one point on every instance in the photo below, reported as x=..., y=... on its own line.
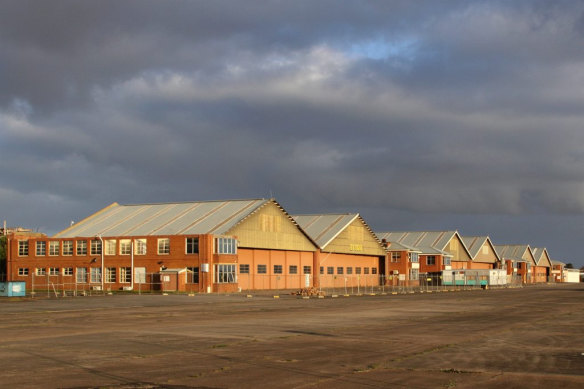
x=426, y=242
x=200, y=217
x=541, y=256
x=514, y=252
x=474, y=245
x=324, y=228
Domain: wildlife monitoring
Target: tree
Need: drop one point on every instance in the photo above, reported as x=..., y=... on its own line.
x=569, y=265
x=3, y=241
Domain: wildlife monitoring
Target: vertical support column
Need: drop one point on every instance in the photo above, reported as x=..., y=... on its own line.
x=316, y=268
x=206, y=259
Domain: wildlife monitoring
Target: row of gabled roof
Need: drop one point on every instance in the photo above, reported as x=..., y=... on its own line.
x=221, y=217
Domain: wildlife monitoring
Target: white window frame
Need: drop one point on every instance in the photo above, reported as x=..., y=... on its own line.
x=23, y=271
x=23, y=248
x=110, y=275
x=40, y=271
x=54, y=248
x=67, y=271
x=140, y=246
x=41, y=248
x=225, y=273
x=125, y=275
x=67, y=248
x=163, y=246
x=81, y=275
x=81, y=247
x=95, y=275
x=192, y=245
x=95, y=247
x=53, y=271
x=110, y=247
x=125, y=246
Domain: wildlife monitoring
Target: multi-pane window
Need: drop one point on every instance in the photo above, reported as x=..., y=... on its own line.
x=293, y=269
x=54, y=247
x=373, y=270
x=41, y=248
x=349, y=270
x=447, y=261
x=140, y=246
x=225, y=246
x=23, y=271
x=164, y=246
x=110, y=275
x=307, y=269
x=125, y=247
x=357, y=270
x=414, y=274
x=67, y=247
x=95, y=274
x=330, y=270
x=414, y=257
x=22, y=248
x=194, y=274
x=192, y=245
x=225, y=273
x=67, y=271
x=54, y=271
x=110, y=247
x=277, y=269
x=395, y=256
x=365, y=270
x=262, y=269
x=40, y=271
x=126, y=275
x=81, y=247
x=95, y=247
x=430, y=260
x=340, y=270
x=243, y=268
x=81, y=274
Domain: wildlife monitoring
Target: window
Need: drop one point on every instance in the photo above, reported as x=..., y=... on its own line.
x=322, y=270
x=330, y=270
x=225, y=246
x=110, y=275
x=414, y=274
x=81, y=247
x=23, y=271
x=140, y=246
x=430, y=260
x=95, y=247
x=243, y=268
x=373, y=270
x=95, y=274
x=110, y=247
x=164, y=246
x=54, y=271
x=125, y=247
x=67, y=247
x=340, y=270
x=395, y=256
x=414, y=257
x=126, y=275
x=40, y=271
x=365, y=270
x=277, y=269
x=262, y=269
x=67, y=271
x=357, y=270
x=41, y=248
x=81, y=274
x=307, y=269
x=194, y=275
x=349, y=270
x=447, y=261
x=22, y=248
x=293, y=269
x=54, y=248
x=225, y=274
x=192, y=245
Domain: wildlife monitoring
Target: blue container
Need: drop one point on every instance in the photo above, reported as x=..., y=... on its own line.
x=13, y=289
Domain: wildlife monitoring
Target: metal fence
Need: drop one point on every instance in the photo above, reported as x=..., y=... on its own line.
x=51, y=286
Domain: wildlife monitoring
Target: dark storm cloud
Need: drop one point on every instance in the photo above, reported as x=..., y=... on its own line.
x=419, y=114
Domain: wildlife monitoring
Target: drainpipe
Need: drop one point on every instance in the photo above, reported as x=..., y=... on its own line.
x=102, y=264
x=132, y=266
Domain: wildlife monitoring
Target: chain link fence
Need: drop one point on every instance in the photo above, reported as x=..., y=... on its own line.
x=54, y=286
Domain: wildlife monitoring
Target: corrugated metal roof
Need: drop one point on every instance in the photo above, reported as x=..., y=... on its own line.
x=512, y=252
x=422, y=241
x=475, y=243
x=323, y=228
x=541, y=256
x=203, y=217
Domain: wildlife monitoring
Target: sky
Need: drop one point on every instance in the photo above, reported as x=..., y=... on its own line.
x=419, y=115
